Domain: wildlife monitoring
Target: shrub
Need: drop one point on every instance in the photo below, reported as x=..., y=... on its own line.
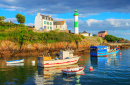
x=83, y=37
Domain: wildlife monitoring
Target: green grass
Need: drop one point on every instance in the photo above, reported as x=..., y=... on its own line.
x=22, y=34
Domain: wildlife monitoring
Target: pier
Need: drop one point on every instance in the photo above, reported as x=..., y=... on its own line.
x=122, y=45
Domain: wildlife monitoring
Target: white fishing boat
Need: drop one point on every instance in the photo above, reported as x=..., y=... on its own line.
x=65, y=58
x=14, y=61
x=73, y=71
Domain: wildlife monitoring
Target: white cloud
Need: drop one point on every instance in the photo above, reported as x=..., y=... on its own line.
x=114, y=22
x=87, y=15
x=126, y=33
x=58, y=19
x=12, y=8
x=127, y=24
x=60, y=6
x=10, y=0
x=14, y=20
x=29, y=24
x=90, y=21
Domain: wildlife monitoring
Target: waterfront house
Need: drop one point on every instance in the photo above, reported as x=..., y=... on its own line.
x=84, y=33
x=46, y=23
x=43, y=22
x=59, y=25
x=102, y=34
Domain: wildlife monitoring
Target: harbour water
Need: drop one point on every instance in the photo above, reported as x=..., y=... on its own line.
x=110, y=70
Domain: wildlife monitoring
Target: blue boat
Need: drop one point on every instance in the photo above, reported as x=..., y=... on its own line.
x=15, y=61
x=103, y=51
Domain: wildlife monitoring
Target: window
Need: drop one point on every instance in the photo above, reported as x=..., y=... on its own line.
x=48, y=27
x=44, y=26
x=50, y=23
x=44, y=22
x=51, y=28
x=47, y=23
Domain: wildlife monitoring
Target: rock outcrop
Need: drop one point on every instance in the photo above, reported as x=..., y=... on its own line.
x=8, y=48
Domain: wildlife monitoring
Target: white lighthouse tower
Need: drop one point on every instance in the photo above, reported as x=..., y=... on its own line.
x=76, y=29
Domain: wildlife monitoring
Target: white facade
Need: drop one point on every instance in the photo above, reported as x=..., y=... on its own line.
x=38, y=22
x=43, y=22
x=86, y=34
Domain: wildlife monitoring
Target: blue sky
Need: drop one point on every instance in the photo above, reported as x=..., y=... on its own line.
x=94, y=15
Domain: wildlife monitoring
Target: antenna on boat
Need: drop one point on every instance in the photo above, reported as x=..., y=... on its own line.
x=49, y=56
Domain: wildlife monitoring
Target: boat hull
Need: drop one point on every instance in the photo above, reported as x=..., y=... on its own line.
x=15, y=61
x=73, y=71
x=111, y=53
x=95, y=52
x=52, y=63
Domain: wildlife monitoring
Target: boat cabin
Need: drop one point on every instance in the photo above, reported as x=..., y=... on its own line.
x=66, y=54
x=94, y=50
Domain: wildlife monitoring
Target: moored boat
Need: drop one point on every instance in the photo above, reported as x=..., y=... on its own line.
x=103, y=51
x=65, y=58
x=73, y=71
x=14, y=61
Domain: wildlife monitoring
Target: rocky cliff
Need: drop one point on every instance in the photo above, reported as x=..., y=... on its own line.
x=9, y=48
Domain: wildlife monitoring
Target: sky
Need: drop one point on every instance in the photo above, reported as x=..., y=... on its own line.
x=94, y=15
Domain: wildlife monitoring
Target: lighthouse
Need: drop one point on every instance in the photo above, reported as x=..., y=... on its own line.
x=76, y=29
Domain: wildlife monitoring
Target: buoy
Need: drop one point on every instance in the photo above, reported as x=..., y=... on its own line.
x=80, y=59
x=90, y=68
x=119, y=53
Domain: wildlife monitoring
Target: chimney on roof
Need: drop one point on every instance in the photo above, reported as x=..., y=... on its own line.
x=49, y=16
x=38, y=13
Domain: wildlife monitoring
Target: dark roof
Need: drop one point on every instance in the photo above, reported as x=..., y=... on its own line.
x=83, y=32
x=58, y=22
x=43, y=17
x=101, y=31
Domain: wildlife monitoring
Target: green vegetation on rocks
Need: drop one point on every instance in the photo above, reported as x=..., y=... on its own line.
x=112, y=38
x=23, y=35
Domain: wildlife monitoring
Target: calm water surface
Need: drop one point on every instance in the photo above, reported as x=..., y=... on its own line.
x=114, y=70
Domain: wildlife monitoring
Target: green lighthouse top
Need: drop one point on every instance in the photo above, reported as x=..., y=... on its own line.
x=76, y=12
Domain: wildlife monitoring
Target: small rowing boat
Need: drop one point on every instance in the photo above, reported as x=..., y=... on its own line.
x=73, y=70
x=14, y=61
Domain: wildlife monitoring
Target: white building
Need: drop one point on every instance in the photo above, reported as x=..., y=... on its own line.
x=43, y=22
x=60, y=25
x=84, y=33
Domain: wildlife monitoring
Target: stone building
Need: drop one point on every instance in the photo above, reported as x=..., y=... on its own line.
x=102, y=34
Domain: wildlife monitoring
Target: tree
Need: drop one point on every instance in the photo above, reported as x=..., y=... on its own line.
x=2, y=18
x=111, y=38
x=20, y=18
x=94, y=35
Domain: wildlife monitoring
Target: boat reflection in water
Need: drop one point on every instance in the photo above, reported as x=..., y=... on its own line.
x=15, y=64
x=73, y=78
x=52, y=74
x=103, y=61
